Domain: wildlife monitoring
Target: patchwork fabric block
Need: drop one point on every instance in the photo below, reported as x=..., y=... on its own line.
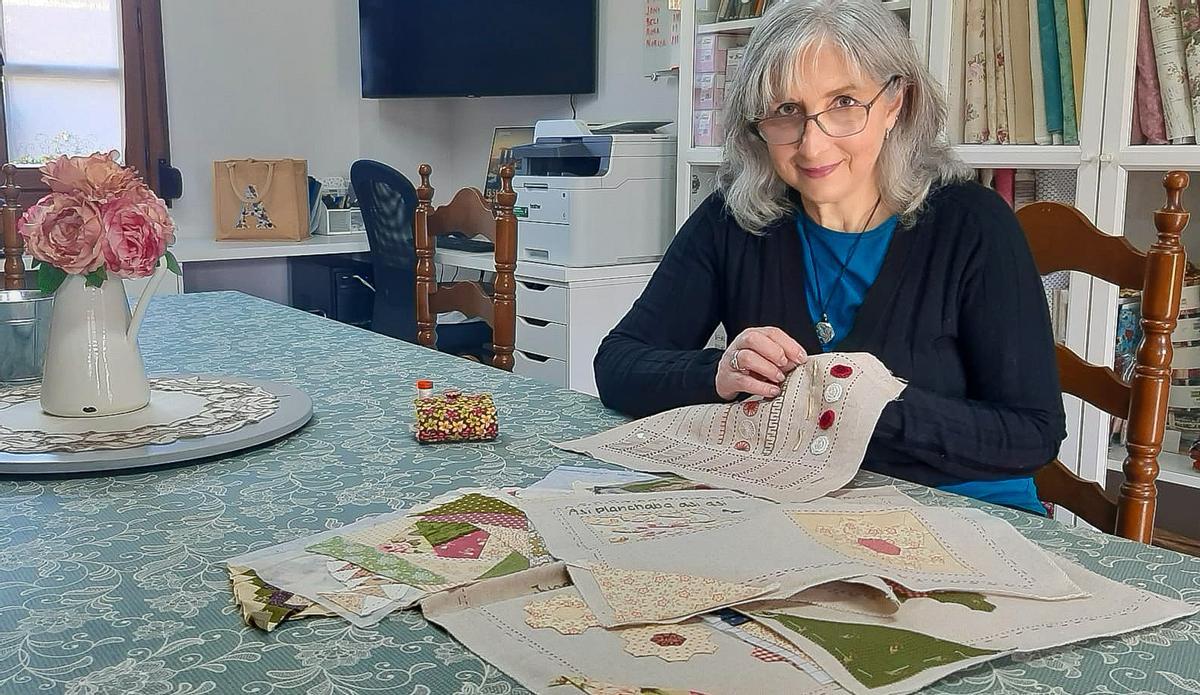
x=265, y=606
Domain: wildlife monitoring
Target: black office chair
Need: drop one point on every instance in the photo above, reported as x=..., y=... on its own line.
x=388, y=200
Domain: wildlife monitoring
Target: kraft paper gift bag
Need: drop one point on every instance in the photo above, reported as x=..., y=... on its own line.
x=261, y=199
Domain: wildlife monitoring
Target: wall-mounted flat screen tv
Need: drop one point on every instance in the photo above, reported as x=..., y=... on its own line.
x=441, y=48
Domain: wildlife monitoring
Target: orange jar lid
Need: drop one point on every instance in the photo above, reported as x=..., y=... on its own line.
x=424, y=384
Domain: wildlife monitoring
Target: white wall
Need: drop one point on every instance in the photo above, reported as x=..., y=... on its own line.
x=280, y=78
x=622, y=92
x=268, y=78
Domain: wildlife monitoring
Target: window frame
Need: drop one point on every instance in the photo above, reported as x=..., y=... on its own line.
x=143, y=72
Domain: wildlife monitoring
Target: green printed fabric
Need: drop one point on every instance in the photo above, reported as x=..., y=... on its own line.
x=976, y=602
x=474, y=503
x=1066, y=74
x=512, y=563
x=386, y=564
x=438, y=532
x=1051, y=71
x=876, y=655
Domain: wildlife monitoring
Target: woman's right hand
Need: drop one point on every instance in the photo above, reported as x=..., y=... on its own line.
x=764, y=356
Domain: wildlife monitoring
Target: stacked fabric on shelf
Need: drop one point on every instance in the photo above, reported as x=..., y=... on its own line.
x=1021, y=70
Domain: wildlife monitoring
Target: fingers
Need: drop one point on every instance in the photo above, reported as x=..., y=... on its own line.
x=794, y=352
x=774, y=345
x=765, y=355
x=751, y=384
x=750, y=360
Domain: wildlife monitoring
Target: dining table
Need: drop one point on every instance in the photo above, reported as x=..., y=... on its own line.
x=116, y=584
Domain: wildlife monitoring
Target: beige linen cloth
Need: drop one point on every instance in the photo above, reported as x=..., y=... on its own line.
x=802, y=445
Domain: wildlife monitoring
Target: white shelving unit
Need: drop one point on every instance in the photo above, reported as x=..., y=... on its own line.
x=1172, y=468
x=1118, y=184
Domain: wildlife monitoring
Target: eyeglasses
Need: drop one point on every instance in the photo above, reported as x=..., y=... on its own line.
x=837, y=122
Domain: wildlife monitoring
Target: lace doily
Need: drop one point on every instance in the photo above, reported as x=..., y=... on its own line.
x=225, y=406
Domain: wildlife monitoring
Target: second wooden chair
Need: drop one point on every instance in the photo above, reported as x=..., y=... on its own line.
x=1062, y=238
x=468, y=213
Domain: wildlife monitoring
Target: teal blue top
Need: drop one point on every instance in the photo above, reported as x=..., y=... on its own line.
x=1020, y=493
x=825, y=250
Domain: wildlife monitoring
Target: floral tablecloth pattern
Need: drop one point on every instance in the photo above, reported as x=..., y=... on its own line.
x=116, y=584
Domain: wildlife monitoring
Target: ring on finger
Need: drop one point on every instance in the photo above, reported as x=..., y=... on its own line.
x=733, y=362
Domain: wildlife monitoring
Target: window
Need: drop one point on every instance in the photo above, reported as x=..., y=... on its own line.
x=82, y=76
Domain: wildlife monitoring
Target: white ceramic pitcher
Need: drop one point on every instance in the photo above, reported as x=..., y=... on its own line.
x=93, y=366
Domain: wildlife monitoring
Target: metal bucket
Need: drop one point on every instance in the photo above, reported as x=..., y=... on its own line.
x=24, y=331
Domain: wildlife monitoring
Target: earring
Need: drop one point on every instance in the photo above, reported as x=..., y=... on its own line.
x=886, y=133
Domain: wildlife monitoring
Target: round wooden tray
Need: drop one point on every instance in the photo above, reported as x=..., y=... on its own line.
x=293, y=412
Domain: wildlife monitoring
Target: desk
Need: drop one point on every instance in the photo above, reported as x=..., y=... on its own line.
x=117, y=584
x=261, y=267
x=206, y=249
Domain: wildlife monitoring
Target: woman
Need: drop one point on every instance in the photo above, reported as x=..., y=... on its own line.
x=843, y=223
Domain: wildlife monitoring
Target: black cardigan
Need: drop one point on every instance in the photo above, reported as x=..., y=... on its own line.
x=958, y=310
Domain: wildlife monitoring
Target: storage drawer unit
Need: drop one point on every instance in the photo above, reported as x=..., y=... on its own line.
x=545, y=369
x=541, y=301
x=542, y=337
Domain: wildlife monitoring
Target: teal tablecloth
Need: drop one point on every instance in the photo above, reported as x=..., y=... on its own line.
x=116, y=585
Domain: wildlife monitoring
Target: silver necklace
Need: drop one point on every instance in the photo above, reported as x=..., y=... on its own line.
x=824, y=329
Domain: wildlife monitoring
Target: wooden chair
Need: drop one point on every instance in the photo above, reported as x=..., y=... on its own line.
x=1063, y=239
x=470, y=214
x=14, y=264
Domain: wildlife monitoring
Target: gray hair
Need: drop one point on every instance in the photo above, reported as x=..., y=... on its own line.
x=875, y=44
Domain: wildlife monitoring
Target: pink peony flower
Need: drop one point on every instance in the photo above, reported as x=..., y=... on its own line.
x=137, y=232
x=64, y=229
x=97, y=176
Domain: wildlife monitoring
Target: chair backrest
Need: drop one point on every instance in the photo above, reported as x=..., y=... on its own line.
x=469, y=213
x=14, y=264
x=388, y=202
x=1062, y=238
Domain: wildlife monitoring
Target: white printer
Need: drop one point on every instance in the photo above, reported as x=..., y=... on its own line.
x=595, y=195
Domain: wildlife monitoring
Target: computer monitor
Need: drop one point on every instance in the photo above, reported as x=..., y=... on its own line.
x=504, y=139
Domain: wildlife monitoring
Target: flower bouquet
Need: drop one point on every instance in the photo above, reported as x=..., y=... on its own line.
x=99, y=218
x=99, y=224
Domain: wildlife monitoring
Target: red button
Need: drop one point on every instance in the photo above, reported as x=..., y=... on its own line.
x=841, y=371
x=826, y=420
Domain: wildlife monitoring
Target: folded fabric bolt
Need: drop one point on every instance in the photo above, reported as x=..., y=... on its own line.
x=802, y=445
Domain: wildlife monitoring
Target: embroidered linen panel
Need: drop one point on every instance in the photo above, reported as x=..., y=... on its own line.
x=802, y=445
x=784, y=549
x=496, y=620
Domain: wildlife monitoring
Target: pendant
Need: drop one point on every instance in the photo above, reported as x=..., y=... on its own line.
x=825, y=332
